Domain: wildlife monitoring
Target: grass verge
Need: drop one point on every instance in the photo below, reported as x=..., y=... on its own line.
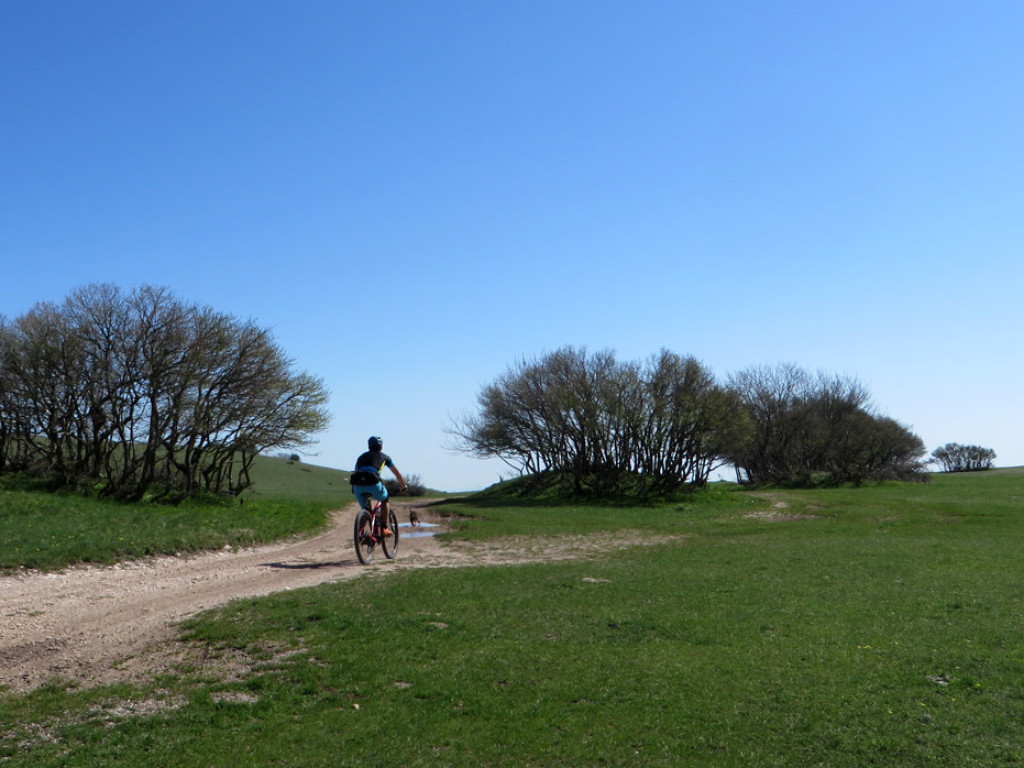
x=50, y=531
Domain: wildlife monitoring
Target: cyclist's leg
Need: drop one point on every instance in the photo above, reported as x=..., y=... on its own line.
x=385, y=506
x=378, y=492
x=364, y=493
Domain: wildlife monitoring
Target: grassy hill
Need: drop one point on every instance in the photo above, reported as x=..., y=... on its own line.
x=49, y=531
x=275, y=477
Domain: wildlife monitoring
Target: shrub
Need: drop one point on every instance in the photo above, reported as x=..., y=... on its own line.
x=953, y=457
x=416, y=487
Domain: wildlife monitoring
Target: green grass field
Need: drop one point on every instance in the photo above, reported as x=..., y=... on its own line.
x=51, y=531
x=846, y=627
x=280, y=478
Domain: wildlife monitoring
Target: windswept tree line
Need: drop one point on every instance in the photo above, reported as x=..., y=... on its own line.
x=657, y=425
x=139, y=393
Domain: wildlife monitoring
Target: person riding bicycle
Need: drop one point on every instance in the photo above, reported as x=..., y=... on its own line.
x=366, y=478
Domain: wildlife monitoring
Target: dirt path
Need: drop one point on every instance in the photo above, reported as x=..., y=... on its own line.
x=98, y=626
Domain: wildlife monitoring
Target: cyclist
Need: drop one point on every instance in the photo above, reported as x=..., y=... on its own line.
x=366, y=478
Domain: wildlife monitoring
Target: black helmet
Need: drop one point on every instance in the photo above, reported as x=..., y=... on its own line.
x=375, y=443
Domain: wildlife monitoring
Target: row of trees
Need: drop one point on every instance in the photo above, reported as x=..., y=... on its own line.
x=603, y=423
x=805, y=428
x=953, y=457
x=138, y=392
x=667, y=422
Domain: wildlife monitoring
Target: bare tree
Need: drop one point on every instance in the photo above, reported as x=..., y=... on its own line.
x=953, y=457
x=809, y=429
x=689, y=422
x=603, y=425
x=127, y=392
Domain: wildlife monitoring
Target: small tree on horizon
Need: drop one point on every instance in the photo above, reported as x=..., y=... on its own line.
x=953, y=457
x=414, y=486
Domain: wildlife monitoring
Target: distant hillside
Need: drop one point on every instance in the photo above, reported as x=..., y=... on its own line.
x=283, y=478
x=276, y=477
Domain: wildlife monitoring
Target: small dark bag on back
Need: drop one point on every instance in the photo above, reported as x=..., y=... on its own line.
x=364, y=478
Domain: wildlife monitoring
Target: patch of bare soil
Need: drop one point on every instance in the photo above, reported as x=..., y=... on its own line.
x=778, y=513
x=97, y=626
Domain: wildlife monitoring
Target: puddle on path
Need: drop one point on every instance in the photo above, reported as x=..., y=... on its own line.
x=417, y=532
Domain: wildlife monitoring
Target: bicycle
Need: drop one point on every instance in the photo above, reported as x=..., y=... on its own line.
x=370, y=529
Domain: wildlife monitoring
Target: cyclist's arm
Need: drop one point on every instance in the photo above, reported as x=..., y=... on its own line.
x=398, y=475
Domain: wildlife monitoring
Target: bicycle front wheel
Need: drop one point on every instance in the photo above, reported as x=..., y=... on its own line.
x=390, y=543
x=363, y=535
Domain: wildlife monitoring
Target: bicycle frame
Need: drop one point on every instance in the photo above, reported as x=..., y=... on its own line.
x=370, y=527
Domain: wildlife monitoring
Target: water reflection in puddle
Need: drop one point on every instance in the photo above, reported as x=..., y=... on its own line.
x=409, y=532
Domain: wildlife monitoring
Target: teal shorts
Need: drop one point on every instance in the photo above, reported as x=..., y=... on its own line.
x=378, y=491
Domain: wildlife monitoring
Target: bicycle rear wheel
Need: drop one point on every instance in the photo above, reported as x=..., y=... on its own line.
x=390, y=543
x=363, y=535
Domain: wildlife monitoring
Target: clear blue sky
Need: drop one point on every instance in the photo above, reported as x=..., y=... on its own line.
x=451, y=185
